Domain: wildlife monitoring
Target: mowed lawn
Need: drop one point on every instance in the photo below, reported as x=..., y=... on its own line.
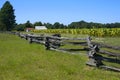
x=20, y=60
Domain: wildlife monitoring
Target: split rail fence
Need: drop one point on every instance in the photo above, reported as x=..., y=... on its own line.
x=95, y=51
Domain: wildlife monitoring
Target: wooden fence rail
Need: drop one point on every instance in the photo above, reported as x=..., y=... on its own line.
x=94, y=50
x=106, y=46
x=96, y=59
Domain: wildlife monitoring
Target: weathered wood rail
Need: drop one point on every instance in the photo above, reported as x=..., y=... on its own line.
x=106, y=46
x=94, y=50
x=56, y=41
x=97, y=56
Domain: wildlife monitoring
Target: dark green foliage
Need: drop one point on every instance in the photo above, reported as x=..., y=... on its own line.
x=37, y=24
x=20, y=27
x=7, y=17
x=2, y=26
x=83, y=24
x=48, y=25
x=73, y=25
x=113, y=25
x=57, y=25
x=28, y=24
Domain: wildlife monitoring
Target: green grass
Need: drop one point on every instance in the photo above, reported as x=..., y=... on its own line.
x=20, y=60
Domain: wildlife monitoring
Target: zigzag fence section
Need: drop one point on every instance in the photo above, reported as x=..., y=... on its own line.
x=98, y=53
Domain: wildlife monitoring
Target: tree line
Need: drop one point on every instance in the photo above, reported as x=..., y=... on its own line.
x=8, y=22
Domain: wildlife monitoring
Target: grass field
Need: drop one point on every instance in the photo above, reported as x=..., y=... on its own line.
x=20, y=60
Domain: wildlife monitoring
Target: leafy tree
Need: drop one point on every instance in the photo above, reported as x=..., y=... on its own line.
x=28, y=24
x=56, y=25
x=37, y=24
x=80, y=24
x=83, y=24
x=7, y=17
x=48, y=25
x=20, y=27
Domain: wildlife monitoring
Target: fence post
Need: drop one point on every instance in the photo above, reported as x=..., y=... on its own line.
x=18, y=34
x=26, y=36
x=94, y=58
x=47, y=43
x=30, y=39
x=56, y=42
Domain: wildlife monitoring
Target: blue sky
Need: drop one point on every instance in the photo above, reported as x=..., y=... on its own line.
x=66, y=11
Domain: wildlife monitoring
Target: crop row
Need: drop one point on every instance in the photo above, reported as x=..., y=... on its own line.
x=101, y=32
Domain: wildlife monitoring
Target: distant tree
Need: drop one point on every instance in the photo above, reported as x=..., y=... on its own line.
x=20, y=27
x=83, y=24
x=38, y=24
x=48, y=25
x=56, y=25
x=28, y=24
x=114, y=25
x=7, y=17
x=80, y=24
x=62, y=26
